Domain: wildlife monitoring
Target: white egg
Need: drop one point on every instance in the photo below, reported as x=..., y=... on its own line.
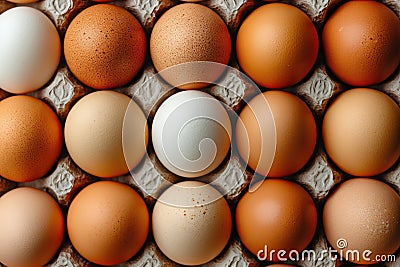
x=191, y=133
x=30, y=50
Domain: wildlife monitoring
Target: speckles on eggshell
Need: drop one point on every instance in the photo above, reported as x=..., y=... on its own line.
x=105, y=46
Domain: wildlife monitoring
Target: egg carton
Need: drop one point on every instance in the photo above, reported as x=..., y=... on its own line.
x=318, y=177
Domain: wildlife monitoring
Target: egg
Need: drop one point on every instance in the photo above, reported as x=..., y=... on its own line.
x=191, y=223
x=95, y=129
x=277, y=45
x=276, y=134
x=190, y=33
x=361, y=132
x=22, y=1
x=108, y=222
x=279, y=214
x=191, y=133
x=361, y=42
x=280, y=265
x=31, y=227
x=363, y=214
x=30, y=50
x=105, y=46
x=30, y=140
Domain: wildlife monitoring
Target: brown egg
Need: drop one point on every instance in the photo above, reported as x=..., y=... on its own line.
x=277, y=45
x=363, y=214
x=105, y=46
x=30, y=140
x=279, y=214
x=361, y=132
x=31, y=227
x=108, y=222
x=187, y=33
x=361, y=42
x=287, y=136
x=22, y=1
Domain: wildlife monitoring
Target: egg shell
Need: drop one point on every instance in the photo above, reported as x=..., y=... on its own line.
x=105, y=46
x=30, y=50
x=31, y=138
x=361, y=131
x=190, y=32
x=361, y=42
x=108, y=222
x=366, y=214
x=276, y=134
x=277, y=45
x=191, y=133
x=191, y=223
x=22, y=1
x=106, y=134
x=31, y=227
x=279, y=214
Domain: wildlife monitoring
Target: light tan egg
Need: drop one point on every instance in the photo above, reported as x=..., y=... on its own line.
x=191, y=223
x=361, y=215
x=361, y=132
x=94, y=132
x=31, y=227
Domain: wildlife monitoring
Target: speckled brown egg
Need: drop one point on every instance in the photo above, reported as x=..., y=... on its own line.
x=363, y=214
x=30, y=139
x=361, y=42
x=188, y=33
x=105, y=46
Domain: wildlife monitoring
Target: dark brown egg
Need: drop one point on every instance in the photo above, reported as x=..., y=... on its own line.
x=279, y=214
x=105, y=46
x=361, y=42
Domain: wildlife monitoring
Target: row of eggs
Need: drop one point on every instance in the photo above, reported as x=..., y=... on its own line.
x=191, y=222
x=276, y=46
x=106, y=134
